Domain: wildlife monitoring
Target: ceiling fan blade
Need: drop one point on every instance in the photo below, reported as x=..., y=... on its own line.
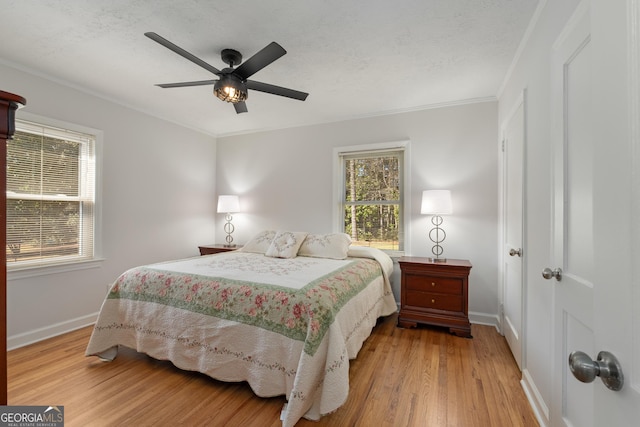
x=260, y=60
x=180, y=51
x=241, y=107
x=276, y=90
x=185, y=84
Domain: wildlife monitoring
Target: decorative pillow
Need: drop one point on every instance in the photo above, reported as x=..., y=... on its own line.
x=286, y=244
x=260, y=242
x=333, y=245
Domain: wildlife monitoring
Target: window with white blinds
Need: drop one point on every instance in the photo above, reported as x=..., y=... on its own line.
x=50, y=196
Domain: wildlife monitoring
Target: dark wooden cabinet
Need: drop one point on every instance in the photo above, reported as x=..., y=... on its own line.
x=214, y=249
x=435, y=294
x=9, y=103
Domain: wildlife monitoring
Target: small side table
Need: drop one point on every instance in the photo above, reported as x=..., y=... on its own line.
x=215, y=249
x=435, y=293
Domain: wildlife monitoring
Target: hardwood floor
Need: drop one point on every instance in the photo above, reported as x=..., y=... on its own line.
x=402, y=377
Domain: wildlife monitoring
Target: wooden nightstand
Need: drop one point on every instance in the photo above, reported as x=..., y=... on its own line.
x=435, y=294
x=215, y=249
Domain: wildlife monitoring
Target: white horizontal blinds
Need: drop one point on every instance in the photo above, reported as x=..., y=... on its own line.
x=50, y=195
x=372, y=197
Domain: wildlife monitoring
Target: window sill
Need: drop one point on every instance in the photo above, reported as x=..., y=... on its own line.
x=45, y=270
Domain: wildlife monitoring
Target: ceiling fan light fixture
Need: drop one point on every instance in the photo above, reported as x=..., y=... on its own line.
x=230, y=89
x=233, y=82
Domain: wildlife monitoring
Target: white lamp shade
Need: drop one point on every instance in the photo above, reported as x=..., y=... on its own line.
x=228, y=204
x=436, y=202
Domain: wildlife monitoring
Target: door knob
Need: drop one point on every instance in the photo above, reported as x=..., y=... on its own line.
x=606, y=367
x=548, y=273
x=514, y=252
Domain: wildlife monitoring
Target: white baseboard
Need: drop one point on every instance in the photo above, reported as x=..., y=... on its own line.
x=26, y=338
x=540, y=409
x=484, y=319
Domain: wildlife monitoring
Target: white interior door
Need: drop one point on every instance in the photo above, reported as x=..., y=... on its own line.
x=571, y=268
x=512, y=252
x=615, y=31
x=591, y=268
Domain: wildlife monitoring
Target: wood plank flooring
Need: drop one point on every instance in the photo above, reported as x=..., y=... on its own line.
x=402, y=377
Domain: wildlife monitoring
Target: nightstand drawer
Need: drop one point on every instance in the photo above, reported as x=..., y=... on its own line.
x=435, y=301
x=443, y=285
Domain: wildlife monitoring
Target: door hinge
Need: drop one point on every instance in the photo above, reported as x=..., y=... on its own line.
x=502, y=148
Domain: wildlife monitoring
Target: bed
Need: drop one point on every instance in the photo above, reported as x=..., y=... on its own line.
x=285, y=320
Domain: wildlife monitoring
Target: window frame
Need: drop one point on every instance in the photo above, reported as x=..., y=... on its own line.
x=339, y=154
x=19, y=271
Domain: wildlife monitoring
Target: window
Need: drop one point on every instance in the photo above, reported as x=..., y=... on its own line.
x=50, y=196
x=371, y=195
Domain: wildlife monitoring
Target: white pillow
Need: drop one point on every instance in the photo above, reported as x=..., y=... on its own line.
x=260, y=242
x=333, y=245
x=286, y=244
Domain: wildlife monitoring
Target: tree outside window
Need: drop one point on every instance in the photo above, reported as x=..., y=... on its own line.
x=372, y=199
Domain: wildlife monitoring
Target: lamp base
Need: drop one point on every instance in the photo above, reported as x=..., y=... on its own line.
x=228, y=228
x=437, y=260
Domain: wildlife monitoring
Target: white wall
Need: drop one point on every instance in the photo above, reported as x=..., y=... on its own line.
x=532, y=72
x=284, y=180
x=158, y=203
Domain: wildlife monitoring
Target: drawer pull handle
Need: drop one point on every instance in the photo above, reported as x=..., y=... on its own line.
x=433, y=283
x=433, y=301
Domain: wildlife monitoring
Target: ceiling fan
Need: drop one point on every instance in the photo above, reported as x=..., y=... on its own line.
x=233, y=83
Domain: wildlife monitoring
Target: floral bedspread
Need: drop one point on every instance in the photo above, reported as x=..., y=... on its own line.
x=302, y=314
x=286, y=326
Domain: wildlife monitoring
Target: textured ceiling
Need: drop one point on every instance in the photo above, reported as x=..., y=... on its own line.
x=354, y=58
